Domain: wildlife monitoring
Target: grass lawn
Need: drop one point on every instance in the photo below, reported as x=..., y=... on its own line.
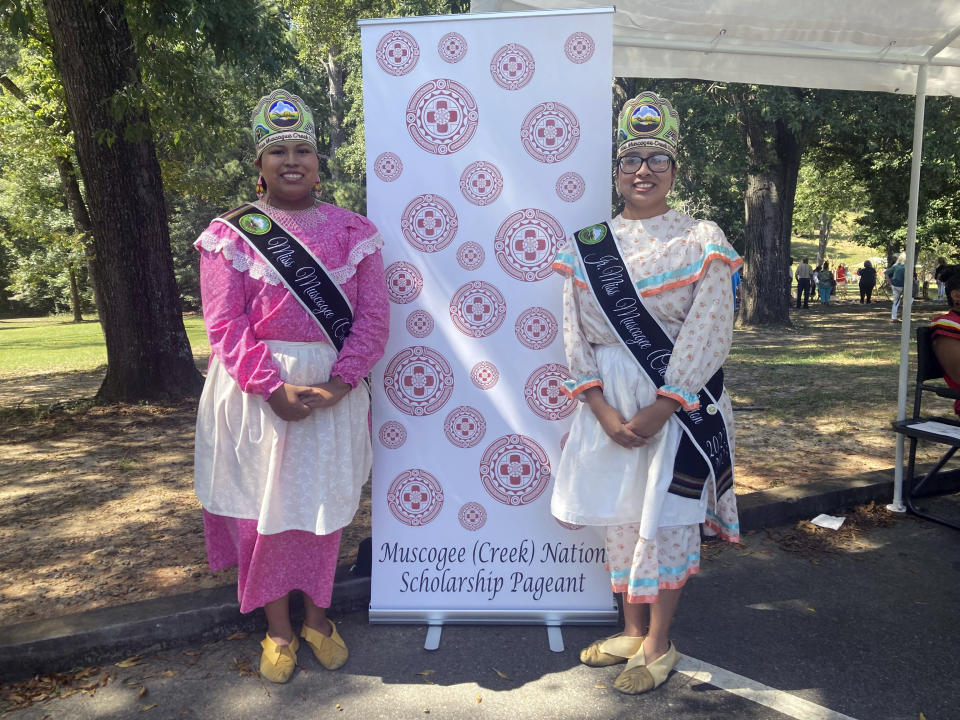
x=36, y=346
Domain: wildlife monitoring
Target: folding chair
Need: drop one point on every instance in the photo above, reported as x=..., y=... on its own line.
x=945, y=431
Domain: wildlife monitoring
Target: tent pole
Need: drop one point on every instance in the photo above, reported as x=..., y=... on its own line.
x=897, y=504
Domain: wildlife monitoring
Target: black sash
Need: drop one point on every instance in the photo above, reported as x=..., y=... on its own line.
x=302, y=273
x=704, y=445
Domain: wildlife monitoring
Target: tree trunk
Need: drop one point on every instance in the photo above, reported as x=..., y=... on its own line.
x=768, y=206
x=75, y=294
x=148, y=354
x=338, y=135
x=825, y=222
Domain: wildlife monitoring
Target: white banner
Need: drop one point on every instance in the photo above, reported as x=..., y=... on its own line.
x=488, y=141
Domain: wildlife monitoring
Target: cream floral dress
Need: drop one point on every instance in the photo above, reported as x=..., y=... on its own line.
x=682, y=268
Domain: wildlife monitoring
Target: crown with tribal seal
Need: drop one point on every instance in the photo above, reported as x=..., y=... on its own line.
x=279, y=117
x=648, y=121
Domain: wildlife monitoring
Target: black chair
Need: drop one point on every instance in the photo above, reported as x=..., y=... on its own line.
x=928, y=368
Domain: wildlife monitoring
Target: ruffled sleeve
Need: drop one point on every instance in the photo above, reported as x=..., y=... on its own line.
x=222, y=287
x=704, y=340
x=581, y=360
x=371, y=311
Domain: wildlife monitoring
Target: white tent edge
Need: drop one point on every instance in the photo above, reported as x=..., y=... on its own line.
x=922, y=61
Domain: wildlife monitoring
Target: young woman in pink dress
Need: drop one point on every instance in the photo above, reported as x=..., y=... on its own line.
x=282, y=442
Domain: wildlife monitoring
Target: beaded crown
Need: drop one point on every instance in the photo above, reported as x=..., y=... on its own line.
x=279, y=117
x=648, y=121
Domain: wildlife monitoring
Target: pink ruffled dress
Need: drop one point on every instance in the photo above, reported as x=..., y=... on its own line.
x=276, y=494
x=682, y=268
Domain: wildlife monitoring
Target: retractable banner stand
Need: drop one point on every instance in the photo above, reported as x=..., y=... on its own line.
x=488, y=141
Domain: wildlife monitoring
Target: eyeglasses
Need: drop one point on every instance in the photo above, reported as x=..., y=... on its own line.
x=658, y=163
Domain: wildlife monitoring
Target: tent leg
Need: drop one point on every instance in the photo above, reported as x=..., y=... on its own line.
x=897, y=504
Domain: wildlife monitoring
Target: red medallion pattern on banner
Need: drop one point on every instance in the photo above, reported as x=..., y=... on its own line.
x=397, y=52
x=465, y=426
x=544, y=394
x=579, y=48
x=442, y=116
x=569, y=526
x=392, y=434
x=481, y=183
x=418, y=380
x=550, y=132
x=470, y=255
x=388, y=166
x=419, y=323
x=452, y=47
x=429, y=223
x=526, y=244
x=570, y=187
x=484, y=375
x=515, y=470
x=478, y=309
x=536, y=328
x=472, y=516
x=512, y=66
x=404, y=282
x=415, y=497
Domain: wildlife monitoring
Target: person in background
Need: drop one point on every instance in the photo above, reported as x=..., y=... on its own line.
x=895, y=274
x=737, y=282
x=868, y=281
x=938, y=276
x=804, y=275
x=841, y=281
x=282, y=441
x=825, y=283
x=946, y=330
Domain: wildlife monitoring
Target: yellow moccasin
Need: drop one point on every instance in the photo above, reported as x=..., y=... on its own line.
x=331, y=652
x=610, y=651
x=639, y=677
x=277, y=662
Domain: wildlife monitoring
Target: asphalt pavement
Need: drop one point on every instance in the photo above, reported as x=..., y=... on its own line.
x=769, y=629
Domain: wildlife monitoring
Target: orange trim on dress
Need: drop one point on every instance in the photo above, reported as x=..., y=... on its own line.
x=569, y=271
x=734, y=265
x=585, y=386
x=679, y=399
x=720, y=531
x=676, y=585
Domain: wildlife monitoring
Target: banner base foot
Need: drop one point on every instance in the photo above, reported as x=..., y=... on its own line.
x=433, y=637
x=555, y=638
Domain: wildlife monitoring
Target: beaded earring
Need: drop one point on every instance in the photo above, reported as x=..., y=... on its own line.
x=317, y=189
x=261, y=187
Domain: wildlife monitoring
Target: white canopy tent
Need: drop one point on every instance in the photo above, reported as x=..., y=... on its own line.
x=898, y=46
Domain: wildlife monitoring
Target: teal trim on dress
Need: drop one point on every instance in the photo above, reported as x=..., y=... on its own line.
x=573, y=386
x=570, y=262
x=690, y=399
x=730, y=526
x=688, y=271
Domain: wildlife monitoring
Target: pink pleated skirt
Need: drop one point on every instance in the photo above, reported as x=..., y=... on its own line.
x=270, y=566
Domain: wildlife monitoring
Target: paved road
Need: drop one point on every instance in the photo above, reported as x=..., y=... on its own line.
x=870, y=632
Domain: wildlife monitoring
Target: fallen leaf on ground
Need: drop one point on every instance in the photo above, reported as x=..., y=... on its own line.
x=143, y=691
x=169, y=673
x=502, y=674
x=600, y=687
x=425, y=673
x=191, y=652
x=146, y=707
x=479, y=699
x=237, y=636
x=129, y=662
